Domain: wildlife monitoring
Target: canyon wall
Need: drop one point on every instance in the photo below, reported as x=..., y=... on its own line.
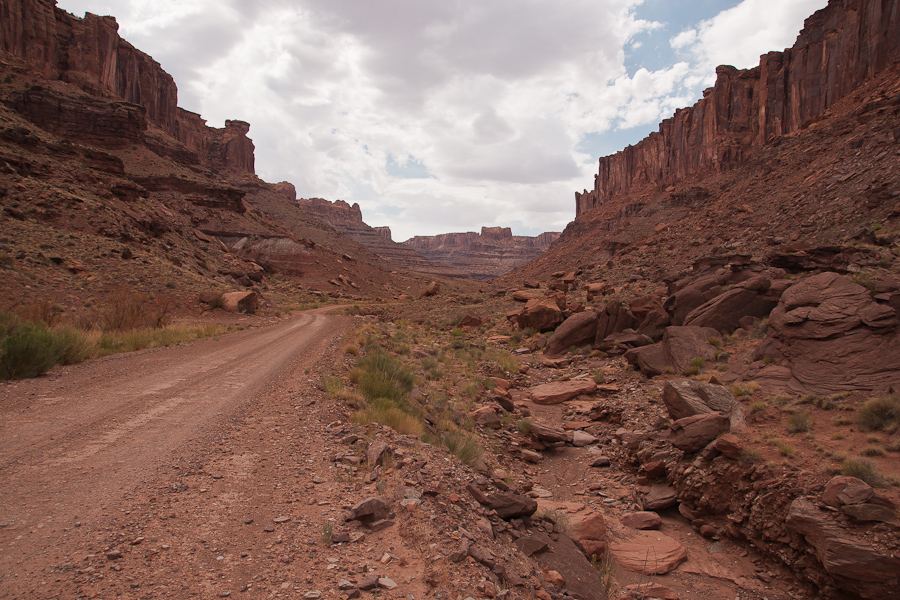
x=484, y=255
x=90, y=54
x=840, y=46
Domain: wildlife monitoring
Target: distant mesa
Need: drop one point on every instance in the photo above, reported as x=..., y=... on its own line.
x=484, y=255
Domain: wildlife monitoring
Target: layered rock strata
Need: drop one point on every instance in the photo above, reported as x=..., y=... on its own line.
x=839, y=48
x=90, y=54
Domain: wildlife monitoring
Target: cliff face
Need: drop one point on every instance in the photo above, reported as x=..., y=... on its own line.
x=840, y=47
x=484, y=255
x=90, y=54
x=347, y=219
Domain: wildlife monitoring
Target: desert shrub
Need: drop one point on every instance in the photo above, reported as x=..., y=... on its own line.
x=799, y=422
x=125, y=310
x=599, y=376
x=880, y=413
x=784, y=448
x=744, y=389
x=757, y=407
x=351, y=349
x=872, y=451
x=380, y=375
x=28, y=350
x=863, y=469
x=508, y=362
x=524, y=426
x=388, y=413
x=751, y=456
x=464, y=446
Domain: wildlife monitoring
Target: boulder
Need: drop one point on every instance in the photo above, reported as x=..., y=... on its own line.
x=834, y=336
x=749, y=298
x=688, y=397
x=589, y=532
x=433, y=289
x=551, y=435
x=729, y=445
x=522, y=296
x=692, y=434
x=648, y=553
x=560, y=391
x=577, y=330
x=240, y=302
x=512, y=506
x=470, y=319
x=694, y=293
x=374, y=508
x=542, y=314
x=674, y=353
x=659, y=497
x=612, y=319
x=855, y=564
x=643, y=519
x=842, y=490
x=643, y=306
x=581, y=439
x=654, y=325
x=619, y=343
x=597, y=289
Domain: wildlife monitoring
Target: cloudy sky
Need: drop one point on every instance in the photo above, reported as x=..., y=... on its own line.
x=446, y=115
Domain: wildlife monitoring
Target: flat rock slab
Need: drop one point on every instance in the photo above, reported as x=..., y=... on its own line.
x=560, y=391
x=641, y=520
x=648, y=553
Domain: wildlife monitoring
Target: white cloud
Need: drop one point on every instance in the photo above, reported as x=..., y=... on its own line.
x=491, y=99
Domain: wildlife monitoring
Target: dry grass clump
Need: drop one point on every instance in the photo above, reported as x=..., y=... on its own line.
x=863, y=469
x=799, y=422
x=881, y=413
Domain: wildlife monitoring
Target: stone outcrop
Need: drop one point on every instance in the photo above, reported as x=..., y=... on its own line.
x=834, y=336
x=483, y=255
x=90, y=54
x=347, y=219
x=840, y=46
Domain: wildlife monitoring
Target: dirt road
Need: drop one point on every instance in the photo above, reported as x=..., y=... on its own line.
x=75, y=445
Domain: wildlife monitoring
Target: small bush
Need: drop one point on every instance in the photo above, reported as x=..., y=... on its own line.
x=524, y=427
x=599, y=376
x=744, y=389
x=881, y=413
x=784, y=448
x=508, y=362
x=872, y=451
x=751, y=456
x=799, y=422
x=690, y=371
x=464, y=446
x=351, y=349
x=28, y=351
x=380, y=375
x=757, y=407
x=863, y=469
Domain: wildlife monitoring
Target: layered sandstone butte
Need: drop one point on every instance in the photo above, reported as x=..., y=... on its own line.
x=483, y=255
x=347, y=219
x=90, y=54
x=839, y=48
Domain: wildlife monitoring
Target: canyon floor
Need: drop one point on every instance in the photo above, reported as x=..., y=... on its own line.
x=225, y=467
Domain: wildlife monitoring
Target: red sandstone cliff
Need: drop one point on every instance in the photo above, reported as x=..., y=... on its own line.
x=90, y=53
x=840, y=46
